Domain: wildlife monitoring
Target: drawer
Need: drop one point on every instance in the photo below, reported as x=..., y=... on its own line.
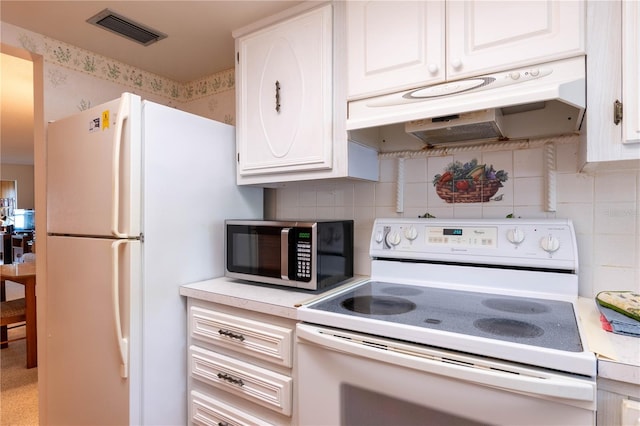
x=210, y=412
x=255, y=384
x=269, y=342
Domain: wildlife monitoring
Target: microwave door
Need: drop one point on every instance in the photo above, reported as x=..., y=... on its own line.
x=244, y=253
x=254, y=251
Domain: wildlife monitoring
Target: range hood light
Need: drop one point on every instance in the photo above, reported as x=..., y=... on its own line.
x=477, y=125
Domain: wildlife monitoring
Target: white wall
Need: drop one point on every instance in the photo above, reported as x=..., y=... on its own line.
x=23, y=175
x=604, y=207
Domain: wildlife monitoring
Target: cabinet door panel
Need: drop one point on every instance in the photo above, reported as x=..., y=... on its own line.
x=280, y=97
x=285, y=96
x=266, y=341
x=631, y=71
x=255, y=384
x=212, y=412
x=394, y=45
x=486, y=36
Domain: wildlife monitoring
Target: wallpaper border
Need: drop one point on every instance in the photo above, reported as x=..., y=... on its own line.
x=77, y=59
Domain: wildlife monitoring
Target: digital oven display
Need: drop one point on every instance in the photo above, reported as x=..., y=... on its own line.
x=468, y=236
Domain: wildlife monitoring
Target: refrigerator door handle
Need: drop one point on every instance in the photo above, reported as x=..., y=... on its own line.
x=124, y=110
x=123, y=342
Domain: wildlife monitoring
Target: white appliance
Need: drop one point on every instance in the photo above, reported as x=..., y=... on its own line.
x=536, y=101
x=462, y=322
x=137, y=195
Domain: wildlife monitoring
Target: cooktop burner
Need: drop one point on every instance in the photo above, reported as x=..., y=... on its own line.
x=530, y=321
x=508, y=327
x=378, y=305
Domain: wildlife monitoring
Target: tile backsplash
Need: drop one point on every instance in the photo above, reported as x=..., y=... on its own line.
x=604, y=207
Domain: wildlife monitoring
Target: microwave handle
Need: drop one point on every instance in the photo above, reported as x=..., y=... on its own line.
x=284, y=253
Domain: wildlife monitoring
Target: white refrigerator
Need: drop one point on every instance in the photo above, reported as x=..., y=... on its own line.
x=137, y=194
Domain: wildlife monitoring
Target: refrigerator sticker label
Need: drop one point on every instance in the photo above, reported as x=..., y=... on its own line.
x=105, y=119
x=94, y=125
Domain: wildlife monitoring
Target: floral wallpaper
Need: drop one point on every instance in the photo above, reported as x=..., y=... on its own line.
x=67, y=57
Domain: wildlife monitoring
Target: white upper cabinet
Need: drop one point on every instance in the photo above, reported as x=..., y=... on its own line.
x=394, y=45
x=488, y=36
x=285, y=102
x=291, y=109
x=612, y=136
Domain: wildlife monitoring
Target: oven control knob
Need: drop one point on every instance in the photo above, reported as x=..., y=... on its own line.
x=411, y=233
x=550, y=243
x=393, y=238
x=515, y=236
x=379, y=236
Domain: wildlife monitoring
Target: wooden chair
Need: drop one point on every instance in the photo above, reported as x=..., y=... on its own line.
x=11, y=312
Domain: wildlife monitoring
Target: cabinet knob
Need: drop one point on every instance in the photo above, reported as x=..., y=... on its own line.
x=456, y=63
x=433, y=68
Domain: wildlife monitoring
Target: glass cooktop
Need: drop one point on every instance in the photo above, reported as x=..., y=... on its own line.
x=530, y=321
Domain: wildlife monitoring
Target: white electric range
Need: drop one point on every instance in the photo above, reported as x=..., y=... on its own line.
x=485, y=305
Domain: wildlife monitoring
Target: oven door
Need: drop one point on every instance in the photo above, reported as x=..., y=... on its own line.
x=347, y=378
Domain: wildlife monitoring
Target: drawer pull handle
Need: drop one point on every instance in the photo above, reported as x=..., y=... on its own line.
x=231, y=334
x=230, y=379
x=223, y=424
x=277, y=96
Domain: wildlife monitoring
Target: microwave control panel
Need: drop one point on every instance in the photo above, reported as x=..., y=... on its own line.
x=303, y=263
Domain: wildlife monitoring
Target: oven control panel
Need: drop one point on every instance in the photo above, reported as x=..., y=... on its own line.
x=544, y=243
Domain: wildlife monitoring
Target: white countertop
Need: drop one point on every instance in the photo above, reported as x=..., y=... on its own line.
x=618, y=355
x=272, y=300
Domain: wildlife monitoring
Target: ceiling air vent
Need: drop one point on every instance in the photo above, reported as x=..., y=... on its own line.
x=125, y=27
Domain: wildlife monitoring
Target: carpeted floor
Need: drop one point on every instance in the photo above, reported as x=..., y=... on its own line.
x=18, y=385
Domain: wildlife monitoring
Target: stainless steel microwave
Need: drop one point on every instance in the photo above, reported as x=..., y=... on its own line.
x=304, y=254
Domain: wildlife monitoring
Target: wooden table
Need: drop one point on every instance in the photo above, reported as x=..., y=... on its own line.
x=25, y=274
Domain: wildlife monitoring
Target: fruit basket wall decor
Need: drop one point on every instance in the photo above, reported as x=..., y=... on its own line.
x=469, y=182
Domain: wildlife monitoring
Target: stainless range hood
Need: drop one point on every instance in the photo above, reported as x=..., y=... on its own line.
x=544, y=100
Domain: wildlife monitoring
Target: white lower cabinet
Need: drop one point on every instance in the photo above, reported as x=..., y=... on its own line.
x=256, y=384
x=211, y=412
x=618, y=403
x=240, y=366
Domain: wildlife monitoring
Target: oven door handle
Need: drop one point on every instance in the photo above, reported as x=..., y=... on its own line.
x=520, y=379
